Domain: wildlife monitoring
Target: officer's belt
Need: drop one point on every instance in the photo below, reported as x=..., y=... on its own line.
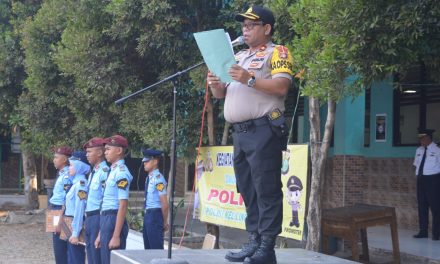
x=55, y=206
x=243, y=127
x=150, y=210
x=110, y=212
x=92, y=213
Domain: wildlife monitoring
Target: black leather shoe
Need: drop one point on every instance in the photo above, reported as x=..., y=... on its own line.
x=265, y=253
x=421, y=235
x=247, y=249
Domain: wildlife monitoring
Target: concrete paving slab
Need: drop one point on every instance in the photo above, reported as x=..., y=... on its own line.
x=203, y=256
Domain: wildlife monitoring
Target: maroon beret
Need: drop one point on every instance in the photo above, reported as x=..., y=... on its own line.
x=117, y=141
x=63, y=150
x=94, y=142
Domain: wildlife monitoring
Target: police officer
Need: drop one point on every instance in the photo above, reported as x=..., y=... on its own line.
x=75, y=205
x=95, y=156
x=113, y=225
x=156, y=201
x=56, y=202
x=254, y=105
x=427, y=163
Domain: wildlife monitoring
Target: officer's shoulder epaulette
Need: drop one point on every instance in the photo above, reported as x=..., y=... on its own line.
x=122, y=167
x=82, y=182
x=66, y=177
x=105, y=169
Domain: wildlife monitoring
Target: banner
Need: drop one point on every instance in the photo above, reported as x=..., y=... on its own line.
x=217, y=201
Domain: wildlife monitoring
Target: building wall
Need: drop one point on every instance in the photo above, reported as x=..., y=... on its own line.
x=378, y=181
x=10, y=171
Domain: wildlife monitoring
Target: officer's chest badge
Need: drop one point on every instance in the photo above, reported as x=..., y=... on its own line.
x=260, y=54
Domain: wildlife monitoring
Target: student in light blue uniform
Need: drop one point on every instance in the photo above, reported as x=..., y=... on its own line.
x=95, y=156
x=113, y=225
x=75, y=205
x=156, y=201
x=56, y=202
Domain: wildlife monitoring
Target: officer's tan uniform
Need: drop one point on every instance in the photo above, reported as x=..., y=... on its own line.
x=244, y=103
x=257, y=146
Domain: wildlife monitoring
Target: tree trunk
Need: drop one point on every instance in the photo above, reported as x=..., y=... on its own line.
x=210, y=228
x=318, y=154
x=30, y=180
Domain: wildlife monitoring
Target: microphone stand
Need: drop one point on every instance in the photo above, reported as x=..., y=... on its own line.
x=174, y=79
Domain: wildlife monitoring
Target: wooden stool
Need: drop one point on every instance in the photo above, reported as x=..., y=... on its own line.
x=345, y=222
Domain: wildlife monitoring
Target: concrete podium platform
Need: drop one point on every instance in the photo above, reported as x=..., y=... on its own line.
x=203, y=256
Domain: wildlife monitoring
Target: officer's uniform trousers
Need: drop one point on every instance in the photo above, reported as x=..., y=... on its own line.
x=59, y=245
x=257, y=165
x=107, y=226
x=428, y=196
x=153, y=229
x=91, y=233
x=76, y=253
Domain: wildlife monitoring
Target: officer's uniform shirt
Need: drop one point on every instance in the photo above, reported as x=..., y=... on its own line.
x=117, y=186
x=157, y=186
x=96, y=186
x=62, y=186
x=432, y=160
x=76, y=202
x=270, y=61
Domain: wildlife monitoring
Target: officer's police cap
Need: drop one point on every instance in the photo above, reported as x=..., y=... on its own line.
x=63, y=150
x=294, y=183
x=257, y=13
x=94, y=142
x=150, y=154
x=425, y=132
x=79, y=155
x=117, y=141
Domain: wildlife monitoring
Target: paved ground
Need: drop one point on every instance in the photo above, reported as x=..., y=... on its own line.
x=23, y=238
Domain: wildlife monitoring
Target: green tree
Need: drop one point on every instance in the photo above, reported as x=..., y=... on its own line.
x=12, y=16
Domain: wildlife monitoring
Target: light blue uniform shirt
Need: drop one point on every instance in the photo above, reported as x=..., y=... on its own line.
x=76, y=203
x=96, y=186
x=62, y=186
x=157, y=186
x=117, y=186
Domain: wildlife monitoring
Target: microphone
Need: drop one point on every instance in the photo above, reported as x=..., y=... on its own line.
x=238, y=41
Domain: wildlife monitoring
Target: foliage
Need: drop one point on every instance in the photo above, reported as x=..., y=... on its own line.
x=12, y=74
x=135, y=219
x=79, y=57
